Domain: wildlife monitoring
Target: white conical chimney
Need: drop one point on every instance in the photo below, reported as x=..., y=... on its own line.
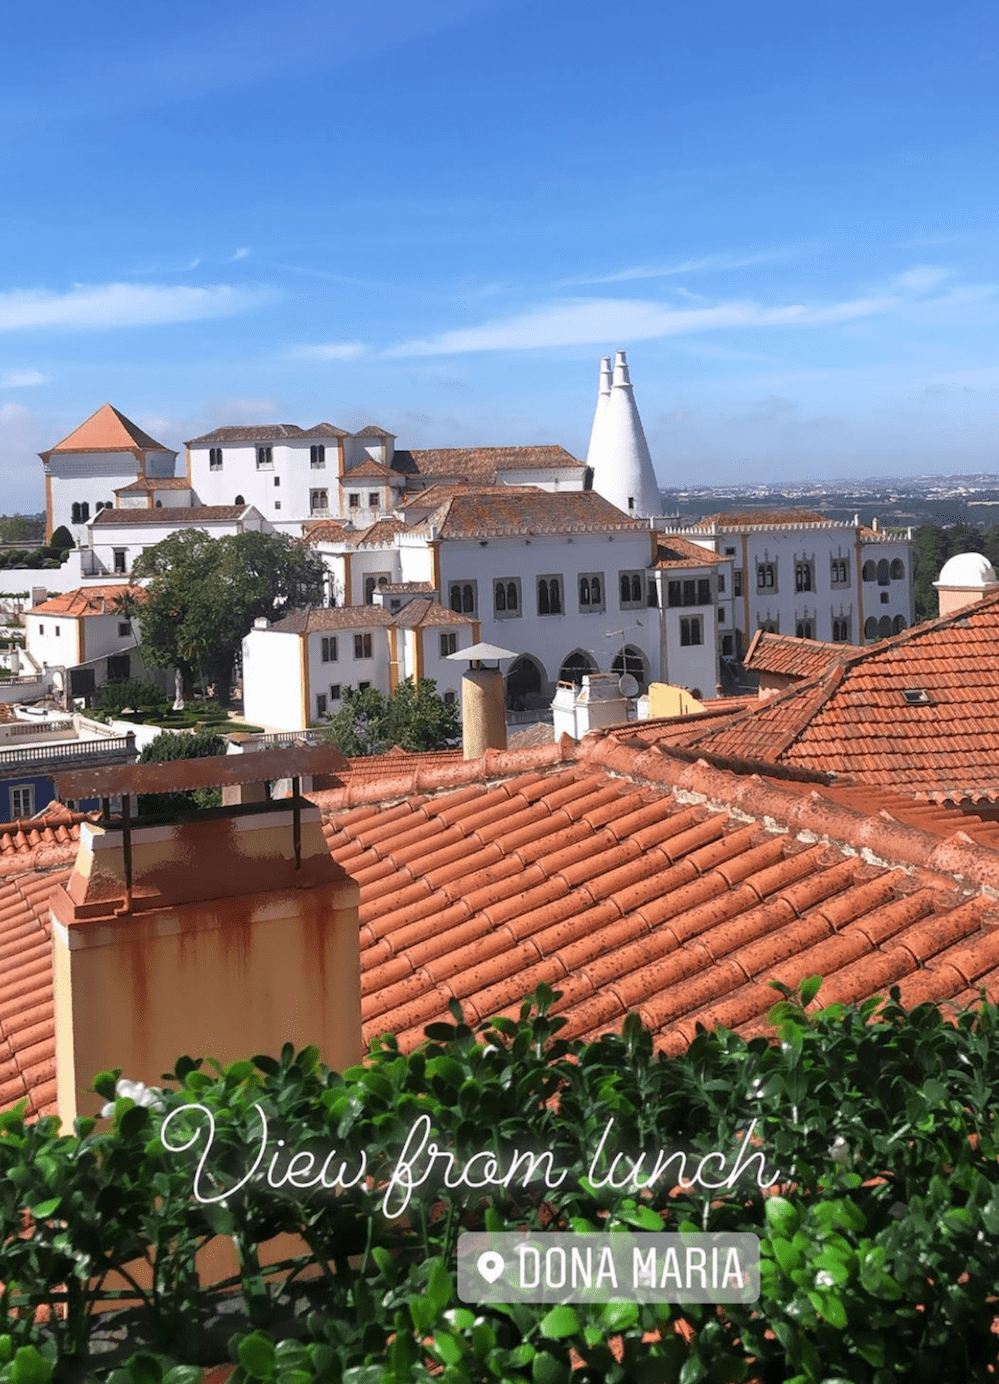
x=622, y=466
x=600, y=416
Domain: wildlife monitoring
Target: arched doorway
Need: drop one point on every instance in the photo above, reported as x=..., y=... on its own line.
x=525, y=683
x=632, y=660
x=576, y=666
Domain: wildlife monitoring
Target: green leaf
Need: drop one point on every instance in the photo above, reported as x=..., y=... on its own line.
x=808, y=989
x=618, y=1316
x=448, y=1347
x=145, y=1369
x=439, y=1287
x=781, y=1217
x=257, y=1356
x=46, y=1208
x=30, y=1367
x=559, y=1322
x=545, y=1369
x=104, y=1084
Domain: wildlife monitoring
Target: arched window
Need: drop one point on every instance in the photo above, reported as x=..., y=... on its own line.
x=575, y=667
x=897, y=569
x=898, y=624
x=543, y=606
x=76, y=514
x=584, y=591
x=159, y=504
x=84, y=512
x=511, y=595
x=884, y=627
x=804, y=629
x=883, y=572
x=870, y=628
x=636, y=588
x=870, y=571
x=467, y=599
x=555, y=597
x=240, y=500
x=595, y=591
x=625, y=588
x=500, y=596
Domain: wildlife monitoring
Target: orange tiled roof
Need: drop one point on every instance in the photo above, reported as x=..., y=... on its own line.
x=370, y=470
x=423, y=611
x=630, y=879
x=175, y=515
x=627, y=877
x=763, y=518
x=918, y=712
x=527, y=510
x=377, y=535
x=790, y=657
x=481, y=463
x=316, y=618
x=107, y=430
x=674, y=551
x=266, y=432
x=88, y=600
x=145, y=483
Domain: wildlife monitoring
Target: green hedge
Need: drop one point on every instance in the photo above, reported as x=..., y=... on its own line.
x=878, y=1252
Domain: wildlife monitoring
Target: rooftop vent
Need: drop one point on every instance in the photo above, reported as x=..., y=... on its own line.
x=916, y=696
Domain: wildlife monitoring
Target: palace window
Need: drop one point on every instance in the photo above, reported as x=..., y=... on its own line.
x=631, y=588
x=691, y=630
x=362, y=646
x=215, y=458
x=449, y=644
x=766, y=576
x=804, y=576
x=463, y=597
x=591, y=593
x=317, y=458
x=265, y=458
x=549, y=595
x=330, y=650
x=506, y=597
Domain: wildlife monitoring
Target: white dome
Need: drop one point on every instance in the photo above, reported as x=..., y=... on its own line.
x=967, y=569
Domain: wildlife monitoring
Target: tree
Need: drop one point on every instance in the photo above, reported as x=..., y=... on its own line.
x=169, y=745
x=413, y=717
x=62, y=539
x=203, y=595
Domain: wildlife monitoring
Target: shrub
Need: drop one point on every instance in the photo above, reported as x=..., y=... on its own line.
x=139, y=693
x=170, y=745
x=62, y=539
x=877, y=1244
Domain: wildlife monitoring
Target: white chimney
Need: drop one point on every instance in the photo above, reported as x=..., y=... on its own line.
x=622, y=465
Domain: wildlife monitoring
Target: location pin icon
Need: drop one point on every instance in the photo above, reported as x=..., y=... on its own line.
x=490, y=1265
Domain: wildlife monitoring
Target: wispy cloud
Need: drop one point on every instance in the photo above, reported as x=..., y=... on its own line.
x=241, y=252
x=102, y=306
x=329, y=350
x=580, y=322
x=21, y=379
x=705, y=264
x=923, y=277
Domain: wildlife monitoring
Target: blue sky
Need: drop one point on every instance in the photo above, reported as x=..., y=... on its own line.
x=438, y=217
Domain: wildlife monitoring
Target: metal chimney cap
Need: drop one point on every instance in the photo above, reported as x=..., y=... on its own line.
x=477, y=652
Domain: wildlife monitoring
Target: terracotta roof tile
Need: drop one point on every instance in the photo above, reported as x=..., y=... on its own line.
x=790, y=657
x=107, y=430
x=918, y=712
x=525, y=511
x=480, y=464
x=88, y=600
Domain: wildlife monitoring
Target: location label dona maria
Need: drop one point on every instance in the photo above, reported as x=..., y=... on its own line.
x=625, y=1266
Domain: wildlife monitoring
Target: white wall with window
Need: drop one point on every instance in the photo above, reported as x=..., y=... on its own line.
x=552, y=621
x=810, y=573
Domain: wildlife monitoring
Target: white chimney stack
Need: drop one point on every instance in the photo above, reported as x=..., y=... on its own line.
x=619, y=454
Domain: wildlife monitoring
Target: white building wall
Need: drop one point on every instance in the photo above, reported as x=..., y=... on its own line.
x=291, y=468
x=886, y=598
x=552, y=638
x=346, y=670
x=447, y=675
x=89, y=478
x=272, y=680
x=133, y=539
x=787, y=608
x=52, y=640
x=553, y=479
